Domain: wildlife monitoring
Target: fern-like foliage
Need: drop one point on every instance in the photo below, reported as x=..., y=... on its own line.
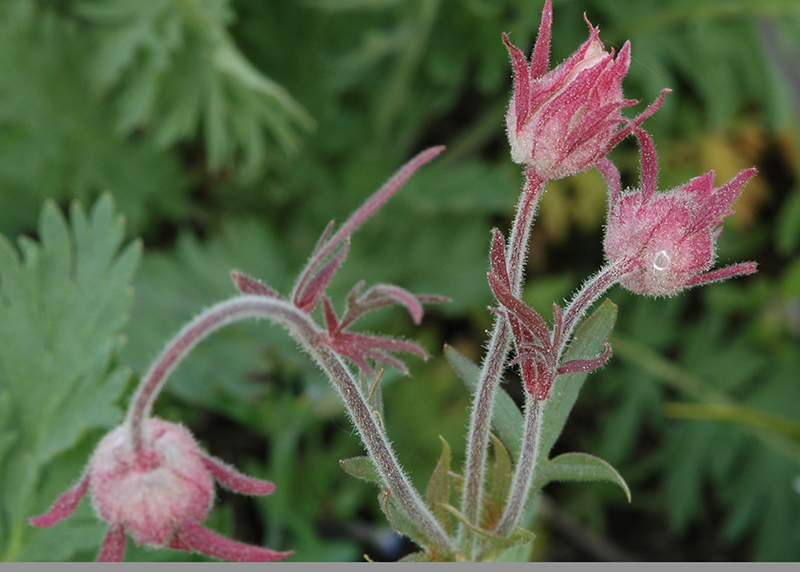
x=63, y=303
x=172, y=66
x=57, y=139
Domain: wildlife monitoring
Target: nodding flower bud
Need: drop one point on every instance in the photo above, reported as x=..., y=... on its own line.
x=151, y=493
x=159, y=494
x=669, y=238
x=561, y=122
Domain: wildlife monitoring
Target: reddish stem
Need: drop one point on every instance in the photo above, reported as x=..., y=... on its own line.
x=586, y=296
x=153, y=381
x=308, y=334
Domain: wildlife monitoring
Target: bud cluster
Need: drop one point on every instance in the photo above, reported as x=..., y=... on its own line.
x=566, y=121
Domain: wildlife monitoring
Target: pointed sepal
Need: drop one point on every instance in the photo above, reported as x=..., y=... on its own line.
x=249, y=285
x=232, y=479
x=64, y=505
x=198, y=538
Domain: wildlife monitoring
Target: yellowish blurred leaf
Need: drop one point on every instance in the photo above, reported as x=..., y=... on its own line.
x=719, y=153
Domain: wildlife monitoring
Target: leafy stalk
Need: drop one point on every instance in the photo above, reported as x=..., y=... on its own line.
x=483, y=402
x=531, y=439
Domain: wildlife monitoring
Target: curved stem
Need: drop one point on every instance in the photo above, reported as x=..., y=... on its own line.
x=483, y=401
x=595, y=287
x=306, y=332
x=209, y=321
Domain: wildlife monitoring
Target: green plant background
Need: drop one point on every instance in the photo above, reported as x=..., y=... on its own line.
x=229, y=132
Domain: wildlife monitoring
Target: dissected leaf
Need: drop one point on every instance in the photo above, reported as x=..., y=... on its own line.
x=58, y=139
x=173, y=65
x=62, y=307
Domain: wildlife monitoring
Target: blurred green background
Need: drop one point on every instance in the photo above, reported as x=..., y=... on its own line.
x=229, y=132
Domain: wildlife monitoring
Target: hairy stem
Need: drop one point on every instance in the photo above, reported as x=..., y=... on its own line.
x=529, y=450
x=209, y=321
x=483, y=401
x=528, y=457
x=595, y=287
x=381, y=453
x=306, y=332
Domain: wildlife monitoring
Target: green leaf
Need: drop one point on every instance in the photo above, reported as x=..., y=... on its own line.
x=776, y=431
x=438, y=491
x=506, y=416
x=521, y=553
x=7, y=435
x=587, y=342
x=60, y=543
x=787, y=230
x=62, y=307
x=172, y=66
x=501, y=480
x=374, y=392
x=790, y=281
x=736, y=414
x=362, y=468
x=498, y=545
x=400, y=522
x=416, y=557
x=578, y=467
x=59, y=139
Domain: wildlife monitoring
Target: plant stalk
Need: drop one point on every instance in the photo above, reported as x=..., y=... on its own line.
x=306, y=332
x=595, y=287
x=483, y=401
x=534, y=409
x=528, y=457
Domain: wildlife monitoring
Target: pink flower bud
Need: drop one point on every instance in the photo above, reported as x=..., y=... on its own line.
x=668, y=238
x=159, y=494
x=152, y=493
x=560, y=123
